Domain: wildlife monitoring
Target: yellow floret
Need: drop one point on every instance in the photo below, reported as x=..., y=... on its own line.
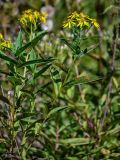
x=68, y=23
x=95, y=23
x=82, y=22
x=73, y=15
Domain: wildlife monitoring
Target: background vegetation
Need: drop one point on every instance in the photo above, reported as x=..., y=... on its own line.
x=56, y=108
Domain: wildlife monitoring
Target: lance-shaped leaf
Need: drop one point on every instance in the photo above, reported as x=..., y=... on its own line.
x=6, y=58
x=18, y=43
x=55, y=110
x=80, y=81
x=36, y=61
x=31, y=44
x=76, y=141
x=56, y=78
x=68, y=44
x=39, y=73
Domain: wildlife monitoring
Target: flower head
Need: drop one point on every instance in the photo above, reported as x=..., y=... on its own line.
x=80, y=20
x=31, y=17
x=4, y=43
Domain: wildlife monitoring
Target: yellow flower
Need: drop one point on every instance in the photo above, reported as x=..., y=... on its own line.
x=4, y=43
x=36, y=14
x=29, y=11
x=80, y=20
x=68, y=23
x=43, y=16
x=95, y=23
x=32, y=17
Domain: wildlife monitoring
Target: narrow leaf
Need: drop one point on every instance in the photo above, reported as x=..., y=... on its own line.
x=6, y=58
x=68, y=44
x=36, y=61
x=76, y=141
x=55, y=110
x=31, y=44
x=80, y=81
x=41, y=71
x=19, y=40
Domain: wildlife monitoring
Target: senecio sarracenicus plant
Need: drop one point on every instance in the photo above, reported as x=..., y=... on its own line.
x=78, y=24
x=23, y=69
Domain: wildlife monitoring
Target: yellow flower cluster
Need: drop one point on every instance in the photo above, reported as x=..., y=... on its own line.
x=80, y=20
x=4, y=43
x=32, y=17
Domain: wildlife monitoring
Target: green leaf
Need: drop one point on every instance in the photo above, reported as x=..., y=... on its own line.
x=68, y=44
x=28, y=92
x=42, y=71
x=80, y=81
x=43, y=87
x=108, y=8
x=28, y=119
x=114, y=131
x=72, y=158
x=31, y=44
x=55, y=76
x=91, y=48
x=36, y=61
x=15, y=80
x=33, y=124
x=32, y=56
x=6, y=58
x=76, y=141
x=55, y=110
x=18, y=43
x=2, y=140
x=24, y=151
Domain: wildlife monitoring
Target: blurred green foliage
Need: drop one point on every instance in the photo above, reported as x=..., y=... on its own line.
x=62, y=109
